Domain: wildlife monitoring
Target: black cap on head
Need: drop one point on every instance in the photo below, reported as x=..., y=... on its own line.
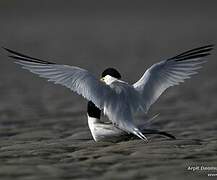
x=112, y=72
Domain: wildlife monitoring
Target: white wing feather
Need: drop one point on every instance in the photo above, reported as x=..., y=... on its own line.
x=173, y=71
x=121, y=106
x=119, y=100
x=74, y=78
x=77, y=79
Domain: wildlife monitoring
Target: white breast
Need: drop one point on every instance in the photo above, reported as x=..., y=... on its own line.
x=105, y=132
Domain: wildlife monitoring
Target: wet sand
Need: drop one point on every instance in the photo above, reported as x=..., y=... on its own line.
x=43, y=127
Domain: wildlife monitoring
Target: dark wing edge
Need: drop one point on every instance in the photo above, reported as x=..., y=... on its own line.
x=77, y=79
x=170, y=72
x=22, y=57
x=199, y=52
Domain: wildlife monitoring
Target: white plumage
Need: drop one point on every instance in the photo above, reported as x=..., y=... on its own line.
x=164, y=74
x=118, y=99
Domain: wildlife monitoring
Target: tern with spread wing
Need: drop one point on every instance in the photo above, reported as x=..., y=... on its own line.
x=118, y=99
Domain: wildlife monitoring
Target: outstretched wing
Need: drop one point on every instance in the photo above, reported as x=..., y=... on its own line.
x=170, y=72
x=81, y=81
x=77, y=79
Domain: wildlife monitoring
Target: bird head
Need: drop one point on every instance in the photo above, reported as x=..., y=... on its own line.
x=110, y=75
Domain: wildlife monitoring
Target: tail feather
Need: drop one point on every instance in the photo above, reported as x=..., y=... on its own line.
x=139, y=134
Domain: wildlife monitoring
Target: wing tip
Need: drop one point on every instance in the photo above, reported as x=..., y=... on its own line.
x=193, y=57
x=4, y=48
x=19, y=56
x=199, y=52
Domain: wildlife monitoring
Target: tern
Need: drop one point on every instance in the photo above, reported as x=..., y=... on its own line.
x=118, y=100
x=107, y=132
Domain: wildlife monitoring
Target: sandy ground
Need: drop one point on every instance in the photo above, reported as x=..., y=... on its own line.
x=43, y=127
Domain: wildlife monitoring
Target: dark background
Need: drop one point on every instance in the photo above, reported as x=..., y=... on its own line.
x=43, y=127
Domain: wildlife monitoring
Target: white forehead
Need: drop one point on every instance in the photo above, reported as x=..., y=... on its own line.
x=109, y=79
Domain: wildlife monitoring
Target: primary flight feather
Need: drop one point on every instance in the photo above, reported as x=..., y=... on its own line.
x=118, y=99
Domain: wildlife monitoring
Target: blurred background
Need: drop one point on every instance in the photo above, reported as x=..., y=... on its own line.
x=43, y=126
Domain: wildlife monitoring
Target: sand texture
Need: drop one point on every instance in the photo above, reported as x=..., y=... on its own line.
x=43, y=127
